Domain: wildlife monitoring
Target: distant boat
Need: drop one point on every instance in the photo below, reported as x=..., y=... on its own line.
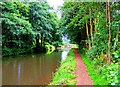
x=58, y=48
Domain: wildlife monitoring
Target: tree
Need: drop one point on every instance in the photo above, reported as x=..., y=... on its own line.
x=108, y=27
x=92, y=16
x=15, y=27
x=44, y=22
x=31, y=21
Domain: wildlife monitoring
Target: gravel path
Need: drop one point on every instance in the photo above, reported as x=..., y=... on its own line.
x=83, y=77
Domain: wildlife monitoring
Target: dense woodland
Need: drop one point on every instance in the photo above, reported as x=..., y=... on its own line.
x=28, y=27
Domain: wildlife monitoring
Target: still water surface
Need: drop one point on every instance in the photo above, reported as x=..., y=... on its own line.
x=30, y=69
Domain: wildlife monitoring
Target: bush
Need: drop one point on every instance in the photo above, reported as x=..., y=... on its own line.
x=49, y=48
x=92, y=52
x=102, y=74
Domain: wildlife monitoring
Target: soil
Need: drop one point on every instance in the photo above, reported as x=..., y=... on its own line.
x=83, y=77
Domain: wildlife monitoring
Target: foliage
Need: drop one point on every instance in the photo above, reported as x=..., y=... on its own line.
x=86, y=25
x=15, y=28
x=112, y=74
x=92, y=52
x=65, y=73
x=50, y=48
x=101, y=75
x=75, y=15
x=23, y=21
x=44, y=22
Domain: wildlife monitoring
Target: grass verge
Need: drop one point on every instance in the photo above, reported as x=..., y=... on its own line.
x=65, y=74
x=98, y=77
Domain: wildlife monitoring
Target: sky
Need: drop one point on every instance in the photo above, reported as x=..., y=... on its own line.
x=55, y=4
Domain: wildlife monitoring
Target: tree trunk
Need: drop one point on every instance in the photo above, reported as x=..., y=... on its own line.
x=41, y=40
x=108, y=27
x=91, y=27
x=116, y=39
x=37, y=43
x=87, y=32
x=95, y=31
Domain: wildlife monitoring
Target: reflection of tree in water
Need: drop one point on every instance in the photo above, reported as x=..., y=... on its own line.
x=32, y=70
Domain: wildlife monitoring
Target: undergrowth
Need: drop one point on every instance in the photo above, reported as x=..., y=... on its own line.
x=101, y=74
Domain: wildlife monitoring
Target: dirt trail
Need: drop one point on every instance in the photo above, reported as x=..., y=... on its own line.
x=83, y=77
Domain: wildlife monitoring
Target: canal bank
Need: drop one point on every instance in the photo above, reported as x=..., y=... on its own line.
x=72, y=71
x=32, y=69
x=65, y=74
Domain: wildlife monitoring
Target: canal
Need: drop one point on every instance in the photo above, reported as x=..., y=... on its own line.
x=33, y=69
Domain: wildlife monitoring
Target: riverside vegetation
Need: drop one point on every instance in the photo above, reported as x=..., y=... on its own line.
x=65, y=73
x=28, y=27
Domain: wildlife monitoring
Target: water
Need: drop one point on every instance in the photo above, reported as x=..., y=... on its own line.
x=29, y=69
x=64, y=54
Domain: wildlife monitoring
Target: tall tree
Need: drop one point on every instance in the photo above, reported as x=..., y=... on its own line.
x=108, y=27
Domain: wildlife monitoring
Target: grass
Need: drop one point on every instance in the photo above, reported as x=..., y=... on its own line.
x=97, y=77
x=65, y=74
